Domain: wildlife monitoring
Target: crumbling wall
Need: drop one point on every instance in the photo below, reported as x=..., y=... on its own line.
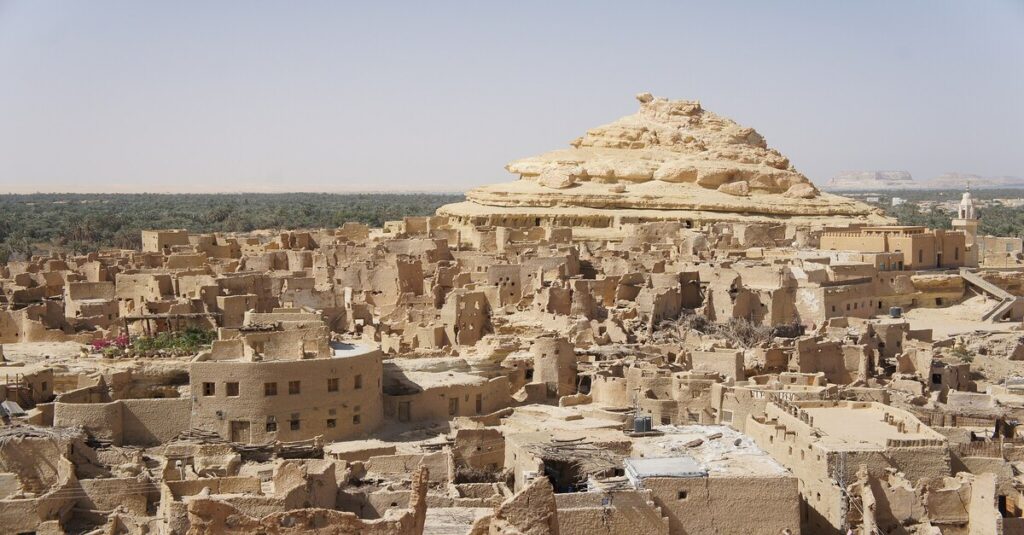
x=532, y=511
x=609, y=513
x=214, y=517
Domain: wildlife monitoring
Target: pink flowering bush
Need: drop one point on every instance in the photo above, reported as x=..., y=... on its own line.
x=105, y=345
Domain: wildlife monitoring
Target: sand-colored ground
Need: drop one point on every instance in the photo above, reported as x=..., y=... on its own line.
x=32, y=352
x=964, y=317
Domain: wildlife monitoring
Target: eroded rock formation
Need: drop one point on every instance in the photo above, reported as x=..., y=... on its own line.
x=671, y=160
x=673, y=141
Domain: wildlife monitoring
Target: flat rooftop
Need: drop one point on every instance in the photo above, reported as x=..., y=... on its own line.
x=864, y=425
x=340, y=350
x=731, y=454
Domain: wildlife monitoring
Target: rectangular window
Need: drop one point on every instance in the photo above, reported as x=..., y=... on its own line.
x=453, y=406
x=294, y=422
x=231, y=389
x=356, y=419
x=332, y=423
x=269, y=389
x=209, y=389
x=358, y=382
x=271, y=424
x=294, y=387
x=332, y=384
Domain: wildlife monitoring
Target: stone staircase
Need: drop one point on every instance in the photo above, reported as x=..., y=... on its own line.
x=1009, y=306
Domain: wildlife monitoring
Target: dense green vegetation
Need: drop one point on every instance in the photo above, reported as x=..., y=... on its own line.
x=910, y=214
x=80, y=223
x=996, y=219
x=85, y=222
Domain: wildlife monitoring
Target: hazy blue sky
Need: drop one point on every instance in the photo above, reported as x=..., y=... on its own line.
x=337, y=96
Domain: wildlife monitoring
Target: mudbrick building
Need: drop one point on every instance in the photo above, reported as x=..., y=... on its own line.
x=665, y=328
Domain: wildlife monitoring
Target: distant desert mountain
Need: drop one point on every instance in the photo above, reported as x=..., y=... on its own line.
x=961, y=180
x=862, y=180
x=897, y=180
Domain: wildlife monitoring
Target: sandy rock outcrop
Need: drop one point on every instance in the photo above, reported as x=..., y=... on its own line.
x=672, y=159
x=675, y=141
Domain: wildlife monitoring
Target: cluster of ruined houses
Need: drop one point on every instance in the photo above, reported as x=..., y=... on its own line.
x=426, y=377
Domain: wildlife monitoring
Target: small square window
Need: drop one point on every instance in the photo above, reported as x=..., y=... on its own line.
x=332, y=423
x=294, y=387
x=358, y=382
x=332, y=384
x=681, y=495
x=231, y=389
x=356, y=419
x=269, y=389
x=209, y=389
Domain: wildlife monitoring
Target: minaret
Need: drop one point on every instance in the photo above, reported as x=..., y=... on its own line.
x=967, y=221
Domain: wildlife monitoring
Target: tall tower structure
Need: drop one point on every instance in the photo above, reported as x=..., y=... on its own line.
x=967, y=221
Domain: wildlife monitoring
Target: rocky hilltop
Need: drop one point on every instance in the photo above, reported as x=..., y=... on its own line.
x=673, y=141
x=862, y=180
x=672, y=160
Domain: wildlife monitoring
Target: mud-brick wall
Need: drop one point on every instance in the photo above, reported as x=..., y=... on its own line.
x=154, y=421
x=141, y=422
x=101, y=420
x=600, y=513
x=109, y=494
x=751, y=505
